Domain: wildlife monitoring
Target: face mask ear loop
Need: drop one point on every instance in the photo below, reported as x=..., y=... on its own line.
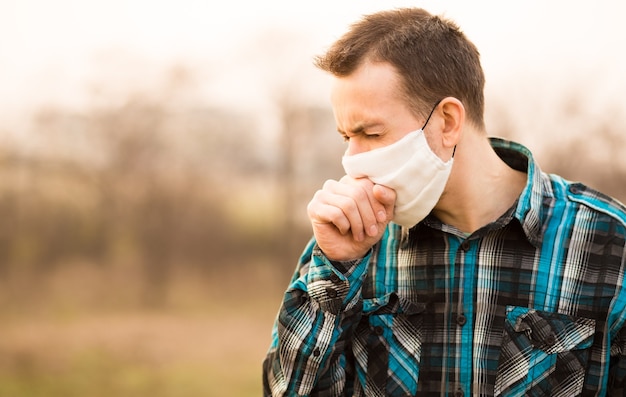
x=428, y=118
x=431, y=113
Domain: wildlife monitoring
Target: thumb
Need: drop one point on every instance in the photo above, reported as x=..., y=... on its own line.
x=387, y=197
x=384, y=195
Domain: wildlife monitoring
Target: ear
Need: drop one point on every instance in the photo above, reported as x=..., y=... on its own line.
x=453, y=115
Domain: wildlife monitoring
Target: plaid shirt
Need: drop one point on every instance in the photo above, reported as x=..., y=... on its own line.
x=530, y=305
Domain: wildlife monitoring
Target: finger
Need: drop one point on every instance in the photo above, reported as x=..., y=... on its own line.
x=387, y=198
x=337, y=209
x=361, y=191
x=381, y=213
x=328, y=214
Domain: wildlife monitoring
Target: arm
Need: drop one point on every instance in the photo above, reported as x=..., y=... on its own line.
x=617, y=373
x=311, y=338
x=308, y=353
x=617, y=370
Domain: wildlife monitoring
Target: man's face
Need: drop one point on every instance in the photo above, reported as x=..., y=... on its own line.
x=369, y=110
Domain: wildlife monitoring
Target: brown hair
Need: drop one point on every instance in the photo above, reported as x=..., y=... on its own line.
x=432, y=56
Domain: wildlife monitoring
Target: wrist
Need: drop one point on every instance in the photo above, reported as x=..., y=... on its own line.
x=343, y=258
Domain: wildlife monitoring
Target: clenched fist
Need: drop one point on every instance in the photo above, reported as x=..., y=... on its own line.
x=349, y=216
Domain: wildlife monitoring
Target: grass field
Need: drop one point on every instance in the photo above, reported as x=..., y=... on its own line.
x=209, y=341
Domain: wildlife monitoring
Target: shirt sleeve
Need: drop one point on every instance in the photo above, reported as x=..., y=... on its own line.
x=617, y=373
x=308, y=354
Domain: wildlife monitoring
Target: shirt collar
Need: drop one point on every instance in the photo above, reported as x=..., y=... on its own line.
x=530, y=203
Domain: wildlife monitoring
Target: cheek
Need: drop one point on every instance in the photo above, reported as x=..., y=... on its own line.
x=433, y=143
x=436, y=147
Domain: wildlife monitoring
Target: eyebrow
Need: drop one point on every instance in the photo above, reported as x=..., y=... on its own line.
x=359, y=128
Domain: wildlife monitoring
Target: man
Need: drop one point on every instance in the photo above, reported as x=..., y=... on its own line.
x=445, y=262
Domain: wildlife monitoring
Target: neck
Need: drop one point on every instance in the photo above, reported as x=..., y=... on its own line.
x=481, y=187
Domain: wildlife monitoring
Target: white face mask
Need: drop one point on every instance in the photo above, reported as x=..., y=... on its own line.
x=409, y=167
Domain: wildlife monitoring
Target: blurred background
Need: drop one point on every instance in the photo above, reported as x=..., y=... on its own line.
x=156, y=158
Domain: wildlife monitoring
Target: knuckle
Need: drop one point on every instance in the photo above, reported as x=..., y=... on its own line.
x=348, y=204
x=328, y=184
x=310, y=208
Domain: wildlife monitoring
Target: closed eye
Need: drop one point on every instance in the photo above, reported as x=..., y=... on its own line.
x=346, y=138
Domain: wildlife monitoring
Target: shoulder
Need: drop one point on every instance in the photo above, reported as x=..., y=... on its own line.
x=598, y=206
x=597, y=201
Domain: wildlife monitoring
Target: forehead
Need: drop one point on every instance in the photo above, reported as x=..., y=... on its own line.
x=371, y=92
x=371, y=79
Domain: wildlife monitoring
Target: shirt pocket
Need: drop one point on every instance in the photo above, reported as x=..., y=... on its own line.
x=543, y=353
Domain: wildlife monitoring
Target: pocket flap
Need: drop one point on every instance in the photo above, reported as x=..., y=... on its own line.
x=552, y=332
x=392, y=304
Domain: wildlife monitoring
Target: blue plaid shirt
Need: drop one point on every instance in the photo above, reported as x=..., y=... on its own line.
x=532, y=304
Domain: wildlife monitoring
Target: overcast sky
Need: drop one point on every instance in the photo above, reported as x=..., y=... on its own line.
x=51, y=51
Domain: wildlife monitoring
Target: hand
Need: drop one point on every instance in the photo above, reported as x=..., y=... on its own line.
x=349, y=216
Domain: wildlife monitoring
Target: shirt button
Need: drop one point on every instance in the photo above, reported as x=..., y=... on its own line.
x=550, y=339
x=316, y=352
x=459, y=393
x=378, y=330
x=461, y=320
x=331, y=292
x=334, y=278
x=465, y=245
